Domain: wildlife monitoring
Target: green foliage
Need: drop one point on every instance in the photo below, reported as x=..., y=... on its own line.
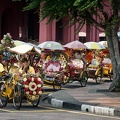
x=32, y=4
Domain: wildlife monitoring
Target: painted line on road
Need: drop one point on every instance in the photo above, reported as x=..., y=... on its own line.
x=60, y=110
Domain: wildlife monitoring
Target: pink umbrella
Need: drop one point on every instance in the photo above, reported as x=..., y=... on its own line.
x=75, y=45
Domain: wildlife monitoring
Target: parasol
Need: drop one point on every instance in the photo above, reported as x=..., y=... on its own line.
x=23, y=49
x=51, y=45
x=103, y=44
x=18, y=42
x=93, y=45
x=75, y=45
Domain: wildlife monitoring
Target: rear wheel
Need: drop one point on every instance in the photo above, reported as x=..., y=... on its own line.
x=17, y=97
x=110, y=75
x=36, y=102
x=3, y=97
x=57, y=84
x=99, y=76
x=83, y=79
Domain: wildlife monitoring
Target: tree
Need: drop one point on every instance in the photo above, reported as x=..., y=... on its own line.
x=81, y=11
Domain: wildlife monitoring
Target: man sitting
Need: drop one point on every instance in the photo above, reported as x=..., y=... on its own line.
x=25, y=68
x=4, y=69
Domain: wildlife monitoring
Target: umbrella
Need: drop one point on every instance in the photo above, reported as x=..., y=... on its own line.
x=93, y=45
x=23, y=49
x=51, y=45
x=103, y=43
x=31, y=44
x=18, y=42
x=75, y=45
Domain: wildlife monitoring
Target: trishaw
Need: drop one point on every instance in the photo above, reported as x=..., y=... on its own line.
x=29, y=88
x=94, y=66
x=76, y=67
x=76, y=72
x=106, y=64
x=107, y=68
x=53, y=72
x=95, y=72
x=16, y=88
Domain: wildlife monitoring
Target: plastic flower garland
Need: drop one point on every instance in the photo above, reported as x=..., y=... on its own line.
x=7, y=41
x=32, y=87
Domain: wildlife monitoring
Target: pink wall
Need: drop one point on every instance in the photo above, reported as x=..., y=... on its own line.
x=47, y=31
x=16, y=23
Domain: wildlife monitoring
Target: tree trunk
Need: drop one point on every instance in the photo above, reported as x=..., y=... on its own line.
x=113, y=45
x=115, y=85
x=114, y=54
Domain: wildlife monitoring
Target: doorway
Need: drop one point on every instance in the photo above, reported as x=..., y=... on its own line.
x=33, y=26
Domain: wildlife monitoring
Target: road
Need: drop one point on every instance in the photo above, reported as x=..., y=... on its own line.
x=46, y=112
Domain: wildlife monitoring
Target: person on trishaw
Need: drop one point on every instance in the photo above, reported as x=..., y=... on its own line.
x=5, y=68
x=77, y=63
x=25, y=68
x=78, y=60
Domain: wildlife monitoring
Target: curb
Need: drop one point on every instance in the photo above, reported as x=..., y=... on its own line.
x=84, y=107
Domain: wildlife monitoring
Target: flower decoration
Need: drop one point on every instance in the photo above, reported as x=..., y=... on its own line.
x=32, y=87
x=7, y=41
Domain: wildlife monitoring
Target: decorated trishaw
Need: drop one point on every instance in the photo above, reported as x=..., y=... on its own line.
x=54, y=67
x=76, y=69
x=15, y=87
x=53, y=62
x=28, y=88
x=106, y=64
x=94, y=66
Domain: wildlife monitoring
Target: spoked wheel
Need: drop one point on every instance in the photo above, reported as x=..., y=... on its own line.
x=57, y=84
x=17, y=97
x=83, y=79
x=99, y=76
x=3, y=97
x=110, y=75
x=36, y=102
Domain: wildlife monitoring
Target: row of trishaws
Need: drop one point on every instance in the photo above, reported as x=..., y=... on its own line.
x=54, y=64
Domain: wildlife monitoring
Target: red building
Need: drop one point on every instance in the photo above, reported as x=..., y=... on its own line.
x=25, y=26
x=21, y=25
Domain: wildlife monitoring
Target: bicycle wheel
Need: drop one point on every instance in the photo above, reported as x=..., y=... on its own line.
x=3, y=97
x=99, y=76
x=36, y=102
x=17, y=97
x=57, y=84
x=83, y=78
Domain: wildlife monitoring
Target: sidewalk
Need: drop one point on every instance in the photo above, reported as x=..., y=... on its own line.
x=94, y=98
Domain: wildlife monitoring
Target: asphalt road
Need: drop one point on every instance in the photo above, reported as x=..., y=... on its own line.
x=46, y=112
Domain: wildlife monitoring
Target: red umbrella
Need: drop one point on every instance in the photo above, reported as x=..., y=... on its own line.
x=75, y=45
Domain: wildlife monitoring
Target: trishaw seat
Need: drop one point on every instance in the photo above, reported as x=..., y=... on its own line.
x=77, y=64
x=53, y=66
x=92, y=67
